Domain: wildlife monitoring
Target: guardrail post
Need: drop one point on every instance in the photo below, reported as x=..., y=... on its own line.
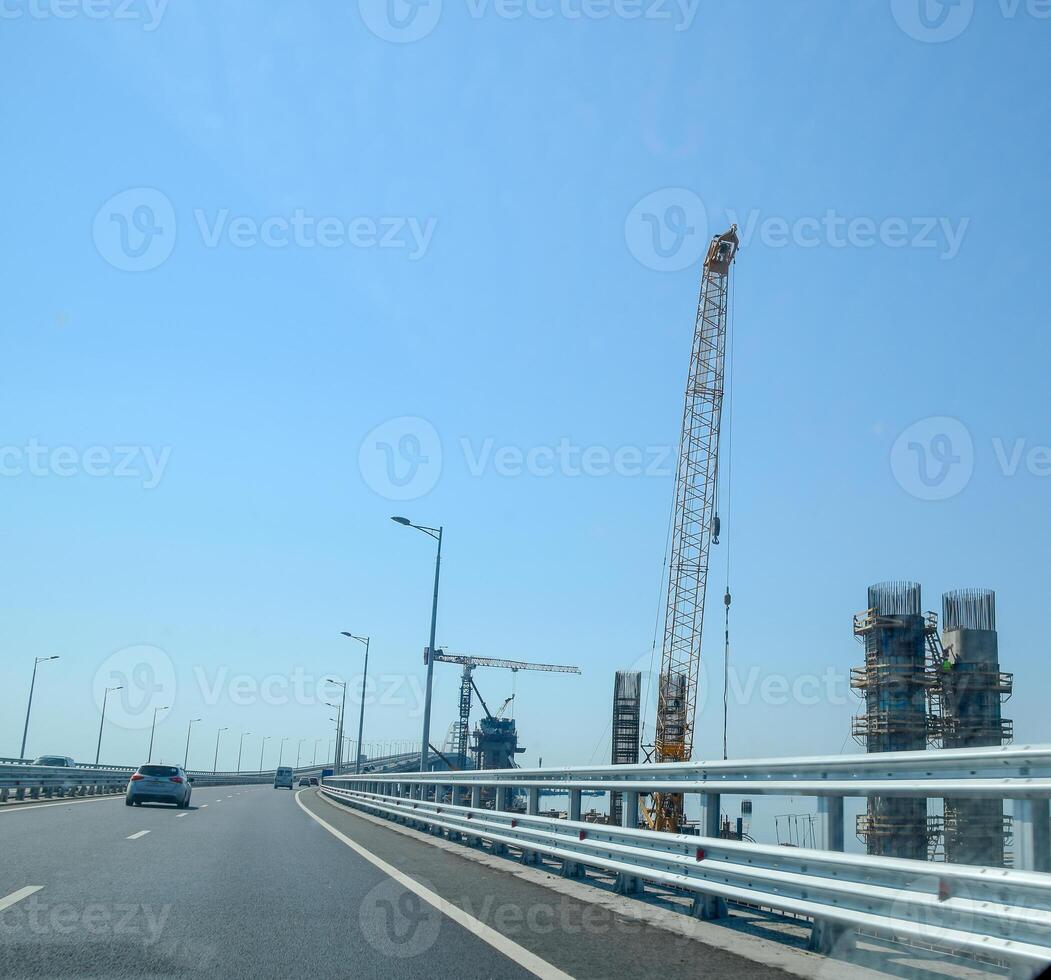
x=629, y=884
x=533, y=810
x=828, y=937
x=501, y=802
x=476, y=797
x=1032, y=835
x=573, y=869
x=710, y=906
x=830, y=811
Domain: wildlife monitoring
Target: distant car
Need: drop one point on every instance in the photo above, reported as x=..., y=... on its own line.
x=158, y=784
x=313, y=781
x=303, y=781
x=283, y=777
x=55, y=760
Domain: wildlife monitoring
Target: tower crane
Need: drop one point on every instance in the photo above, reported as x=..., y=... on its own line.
x=695, y=527
x=462, y=724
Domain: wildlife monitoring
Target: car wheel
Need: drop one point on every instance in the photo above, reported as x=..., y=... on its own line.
x=128, y=803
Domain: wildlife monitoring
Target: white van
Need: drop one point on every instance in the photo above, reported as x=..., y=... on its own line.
x=283, y=777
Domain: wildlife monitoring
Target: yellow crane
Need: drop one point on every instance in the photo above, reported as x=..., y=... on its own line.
x=695, y=527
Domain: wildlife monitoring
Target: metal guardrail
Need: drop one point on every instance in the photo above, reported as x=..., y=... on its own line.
x=992, y=912
x=20, y=779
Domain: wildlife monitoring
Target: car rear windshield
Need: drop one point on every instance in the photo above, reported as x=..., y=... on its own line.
x=159, y=770
x=52, y=760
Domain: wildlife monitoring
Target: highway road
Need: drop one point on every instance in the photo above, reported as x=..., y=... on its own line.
x=258, y=882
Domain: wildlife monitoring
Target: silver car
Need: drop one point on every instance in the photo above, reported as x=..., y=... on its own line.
x=159, y=784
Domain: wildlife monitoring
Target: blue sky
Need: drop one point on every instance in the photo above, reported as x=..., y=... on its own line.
x=243, y=242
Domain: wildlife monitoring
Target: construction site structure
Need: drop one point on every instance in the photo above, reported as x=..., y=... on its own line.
x=627, y=704
x=894, y=682
x=695, y=525
x=970, y=690
x=492, y=734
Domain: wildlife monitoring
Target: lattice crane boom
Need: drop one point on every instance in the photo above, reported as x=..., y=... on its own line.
x=695, y=523
x=468, y=660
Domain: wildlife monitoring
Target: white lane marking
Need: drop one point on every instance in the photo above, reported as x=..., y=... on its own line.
x=141, y=833
x=518, y=954
x=14, y=807
x=181, y=815
x=14, y=897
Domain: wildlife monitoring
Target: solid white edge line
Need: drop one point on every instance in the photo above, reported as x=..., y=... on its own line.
x=518, y=954
x=15, y=897
x=141, y=833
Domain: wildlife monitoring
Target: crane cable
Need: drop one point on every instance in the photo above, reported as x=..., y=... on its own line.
x=729, y=478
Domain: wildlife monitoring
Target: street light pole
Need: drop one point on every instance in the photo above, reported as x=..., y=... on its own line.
x=281, y=752
x=153, y=730
x=240, y=746
x=186, y=754
x=215, y=764
x=361, y=708
x=29, y=707
x=299, y=751
x=102, y=720
x=342, y=711
x=436, y=533
x=261, y=747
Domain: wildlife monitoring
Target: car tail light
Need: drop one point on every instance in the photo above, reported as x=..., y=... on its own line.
x=176, y=779
x=137, y=776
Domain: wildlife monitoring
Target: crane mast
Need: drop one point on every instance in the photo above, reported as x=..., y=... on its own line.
x=695, y=525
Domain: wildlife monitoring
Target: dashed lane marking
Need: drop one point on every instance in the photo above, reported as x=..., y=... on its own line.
x=15, y=897
x=141, y=833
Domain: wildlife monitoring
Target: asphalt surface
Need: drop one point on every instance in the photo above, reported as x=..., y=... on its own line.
x=247, y=883
x=242, y=884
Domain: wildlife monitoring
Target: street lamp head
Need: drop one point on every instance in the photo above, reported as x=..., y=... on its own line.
x=54, y=657
x=402, y=520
